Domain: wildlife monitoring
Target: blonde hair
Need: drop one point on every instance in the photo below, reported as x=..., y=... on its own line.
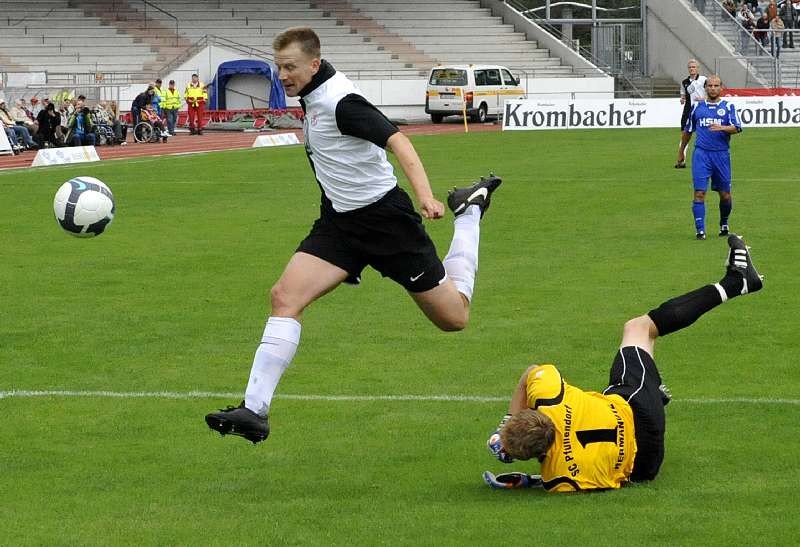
x=528, y=434
x=305, y=37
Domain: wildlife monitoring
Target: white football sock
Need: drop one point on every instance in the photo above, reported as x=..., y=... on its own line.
x=461, y=262
x=277, y=348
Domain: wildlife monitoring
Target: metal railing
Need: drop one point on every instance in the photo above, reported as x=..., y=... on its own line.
x=790, y=73
x=580, y=50
x=115, y=8
x=762, y=63
x=168, y=14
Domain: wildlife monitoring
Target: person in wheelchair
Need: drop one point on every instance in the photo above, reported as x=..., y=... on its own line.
x=151, y=127
x=109, y=129
x=102, y=131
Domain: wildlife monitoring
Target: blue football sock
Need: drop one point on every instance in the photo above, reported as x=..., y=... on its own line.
x=725, y=211
x=699, y=212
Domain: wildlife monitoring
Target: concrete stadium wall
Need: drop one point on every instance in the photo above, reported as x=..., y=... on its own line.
x=676, y=32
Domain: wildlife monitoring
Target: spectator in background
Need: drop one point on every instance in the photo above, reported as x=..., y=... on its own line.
x=113, y=109
x=49, y=122
x=789, y=16
x=105, y=117
x=12, y=138
x=36, y=106
x=78, y=103
x=20, y=116
x=158, y=96
x=81, y=128
x=196, y=98
x=20, y=131
x=772, y=10
x=171, y=104
x=762, y=29
x=140, y=103
x=730, y=7
x=748, y=21
x=64, y=112
x=776, y=35
x=28, y=108
x=113, y=112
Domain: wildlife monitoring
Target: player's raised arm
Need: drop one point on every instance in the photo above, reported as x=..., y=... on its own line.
x=412, y=166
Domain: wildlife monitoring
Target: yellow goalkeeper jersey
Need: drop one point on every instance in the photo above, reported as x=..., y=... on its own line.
x=594, y=446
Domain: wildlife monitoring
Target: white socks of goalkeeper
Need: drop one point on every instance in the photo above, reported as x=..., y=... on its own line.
x=461, y=262
x=276, y=351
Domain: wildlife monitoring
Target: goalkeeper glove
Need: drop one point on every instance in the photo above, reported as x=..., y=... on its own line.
x=494, y=445
x=512, y=480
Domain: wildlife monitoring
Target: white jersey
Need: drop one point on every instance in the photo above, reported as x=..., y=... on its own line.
x=694, y=89
x=345, y=136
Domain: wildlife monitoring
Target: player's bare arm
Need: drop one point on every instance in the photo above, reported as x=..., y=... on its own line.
x=402, y=148
x=519, y=400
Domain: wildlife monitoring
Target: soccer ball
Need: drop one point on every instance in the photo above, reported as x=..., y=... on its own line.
x=84, y=206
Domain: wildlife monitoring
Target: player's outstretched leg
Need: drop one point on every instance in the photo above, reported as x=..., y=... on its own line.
x=468, y=204
x=241, y=421
x=741, y=277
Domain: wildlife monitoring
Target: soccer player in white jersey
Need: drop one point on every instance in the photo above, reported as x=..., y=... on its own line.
x=365, y=219
x=692, y=91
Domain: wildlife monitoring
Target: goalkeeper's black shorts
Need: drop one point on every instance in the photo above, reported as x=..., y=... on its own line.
x=635, y=378
x=387, y=235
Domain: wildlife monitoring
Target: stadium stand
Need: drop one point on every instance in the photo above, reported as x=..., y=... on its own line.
x=385, y=37
x=455, y=31
x=54, y=37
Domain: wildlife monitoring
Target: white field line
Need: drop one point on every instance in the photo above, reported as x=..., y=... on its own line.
x=183, y=395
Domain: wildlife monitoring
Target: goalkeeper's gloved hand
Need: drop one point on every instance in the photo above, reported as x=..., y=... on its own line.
x=494, y=445
x=512, y=480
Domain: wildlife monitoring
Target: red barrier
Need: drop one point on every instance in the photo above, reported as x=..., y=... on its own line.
x=229, y=115
x=760, y=92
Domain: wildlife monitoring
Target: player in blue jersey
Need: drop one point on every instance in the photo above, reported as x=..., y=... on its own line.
x=714, y=120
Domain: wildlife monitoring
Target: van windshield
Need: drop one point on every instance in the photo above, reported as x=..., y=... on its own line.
x=448, y=76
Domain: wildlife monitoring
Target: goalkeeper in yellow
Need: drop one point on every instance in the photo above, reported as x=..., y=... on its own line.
x=594, y=441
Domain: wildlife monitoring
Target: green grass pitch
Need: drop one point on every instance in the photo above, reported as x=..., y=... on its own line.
x=589, y=229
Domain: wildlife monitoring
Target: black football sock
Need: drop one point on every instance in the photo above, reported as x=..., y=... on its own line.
x=680, y=312
x=732, y=284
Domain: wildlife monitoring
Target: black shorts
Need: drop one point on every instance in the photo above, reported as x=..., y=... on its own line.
x=635, y=378
x=387, y=235
x=687, y=111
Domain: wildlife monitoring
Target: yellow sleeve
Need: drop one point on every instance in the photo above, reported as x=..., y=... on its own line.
x=545, y=386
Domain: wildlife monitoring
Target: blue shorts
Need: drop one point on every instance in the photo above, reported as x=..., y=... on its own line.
x=714, y=164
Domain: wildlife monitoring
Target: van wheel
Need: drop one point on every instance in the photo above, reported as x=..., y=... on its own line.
x=437, y=118
x=483, y=113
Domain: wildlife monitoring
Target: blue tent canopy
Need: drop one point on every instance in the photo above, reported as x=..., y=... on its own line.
x=216, y=90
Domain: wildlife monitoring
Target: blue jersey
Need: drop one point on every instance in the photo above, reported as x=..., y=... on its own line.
x=706, y=114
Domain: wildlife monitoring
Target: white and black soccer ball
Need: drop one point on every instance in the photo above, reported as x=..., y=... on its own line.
x=84, y=206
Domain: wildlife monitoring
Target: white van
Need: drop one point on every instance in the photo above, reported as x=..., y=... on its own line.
x=484, y=88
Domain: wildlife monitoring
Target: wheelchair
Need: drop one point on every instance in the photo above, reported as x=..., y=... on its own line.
x=145, y=131
x=105, y=134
